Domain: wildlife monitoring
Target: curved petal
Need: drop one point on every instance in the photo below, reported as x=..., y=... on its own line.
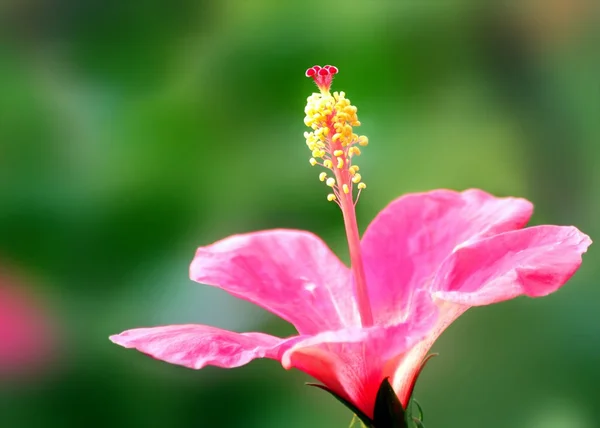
x=290, y=273
x=535, y=262
x=406, y=367
x=353, y=362
x=196, y=346
x=408, y=240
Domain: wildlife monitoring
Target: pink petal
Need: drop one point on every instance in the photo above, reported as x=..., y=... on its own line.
x=407, y=241
x=197, y=346
x=354, y=361
x=290, y=273
x=407, y=366
x=535, y=261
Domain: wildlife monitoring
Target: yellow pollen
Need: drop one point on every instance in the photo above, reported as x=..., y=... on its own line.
x=353, y=151
x=332, y=139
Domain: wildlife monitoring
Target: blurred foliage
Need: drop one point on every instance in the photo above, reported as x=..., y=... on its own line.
x=131, y=133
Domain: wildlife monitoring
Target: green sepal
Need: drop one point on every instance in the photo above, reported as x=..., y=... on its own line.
x=418, y=423
x=419, y=408
x=389, y=412
x=364, y=418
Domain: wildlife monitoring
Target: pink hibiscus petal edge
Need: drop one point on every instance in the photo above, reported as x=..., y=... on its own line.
x=535, y=262
x=418, y=231
x=196, y=346
x=290, y=273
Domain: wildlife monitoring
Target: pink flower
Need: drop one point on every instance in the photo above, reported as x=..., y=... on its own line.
x=455, y=249
x=423, y=261
x=26, y=333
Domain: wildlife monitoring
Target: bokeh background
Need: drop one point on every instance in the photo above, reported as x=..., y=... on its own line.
x=133, y=132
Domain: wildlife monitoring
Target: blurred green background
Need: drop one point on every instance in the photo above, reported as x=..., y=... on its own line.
x=131, y=133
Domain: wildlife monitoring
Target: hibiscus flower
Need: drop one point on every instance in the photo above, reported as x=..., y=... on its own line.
x=422, y=262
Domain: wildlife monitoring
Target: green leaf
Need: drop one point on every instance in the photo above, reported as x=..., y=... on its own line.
x=364, y=418
x=389, y=412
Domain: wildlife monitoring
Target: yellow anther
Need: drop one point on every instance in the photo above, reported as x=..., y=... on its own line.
x=332, y=140
x=353, y=151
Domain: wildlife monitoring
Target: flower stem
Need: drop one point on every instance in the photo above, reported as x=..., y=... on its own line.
x=362, y=294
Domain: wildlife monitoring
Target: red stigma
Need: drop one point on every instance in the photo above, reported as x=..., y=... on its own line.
x=322, y=76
